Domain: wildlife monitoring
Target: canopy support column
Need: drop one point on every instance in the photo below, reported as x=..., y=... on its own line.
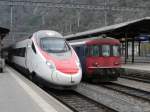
x=139, y=48
x=126, y=49
x=133, y=50
x=122, y=46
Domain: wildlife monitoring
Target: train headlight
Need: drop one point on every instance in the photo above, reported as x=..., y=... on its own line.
x=116, y=63
x=50, y=65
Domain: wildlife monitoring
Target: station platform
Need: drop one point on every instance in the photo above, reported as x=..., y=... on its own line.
x=137, y=59
x=137, y=66
x=18, y=94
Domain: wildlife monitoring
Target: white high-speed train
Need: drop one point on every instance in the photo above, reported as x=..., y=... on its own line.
x=47, y=55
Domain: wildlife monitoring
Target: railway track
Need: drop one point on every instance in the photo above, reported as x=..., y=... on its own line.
x=140, y=79
x=78, y=102
x=141, y=94
x=142, y=76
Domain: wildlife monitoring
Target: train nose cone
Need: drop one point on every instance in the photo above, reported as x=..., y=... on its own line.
x=67, y=67
x=60, y=78
x=68, y=71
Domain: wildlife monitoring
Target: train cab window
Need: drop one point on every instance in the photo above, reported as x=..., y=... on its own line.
x=94, y=50
x=116, y=50
x=33, y=47
x=54, y=45
x=105, y=50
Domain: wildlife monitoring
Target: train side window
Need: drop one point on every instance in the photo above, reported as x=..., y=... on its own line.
x=33, y=47
x=13, y=52
x=16, y=52
x=23, y=50
x=19, y=52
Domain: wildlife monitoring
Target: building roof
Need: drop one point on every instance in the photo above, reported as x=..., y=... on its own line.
x=129, y=29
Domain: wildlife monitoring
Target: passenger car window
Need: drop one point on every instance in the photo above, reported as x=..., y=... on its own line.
x=19, y=52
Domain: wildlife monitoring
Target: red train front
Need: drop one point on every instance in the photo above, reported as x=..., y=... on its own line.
x=100, y=59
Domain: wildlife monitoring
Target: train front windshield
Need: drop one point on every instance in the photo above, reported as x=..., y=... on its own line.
x=104, y=50
x=116, y=50
x=54, y=45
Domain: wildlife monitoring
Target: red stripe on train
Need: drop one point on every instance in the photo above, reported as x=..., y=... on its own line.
x=67, y=66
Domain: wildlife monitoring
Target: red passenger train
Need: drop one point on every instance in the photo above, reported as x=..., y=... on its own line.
x=100, y=59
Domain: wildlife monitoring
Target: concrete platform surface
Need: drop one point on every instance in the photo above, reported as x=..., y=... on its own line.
x=138, y=66
x=18, y=94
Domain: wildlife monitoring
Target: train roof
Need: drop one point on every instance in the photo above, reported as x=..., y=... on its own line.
x=77, y=43
x=47, y=33
x=107, y=40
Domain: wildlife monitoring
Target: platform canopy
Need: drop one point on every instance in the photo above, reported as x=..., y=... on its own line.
x=127, y=29
x=3, y=32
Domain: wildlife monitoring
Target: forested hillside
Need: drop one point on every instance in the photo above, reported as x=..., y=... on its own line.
x=67, y=16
